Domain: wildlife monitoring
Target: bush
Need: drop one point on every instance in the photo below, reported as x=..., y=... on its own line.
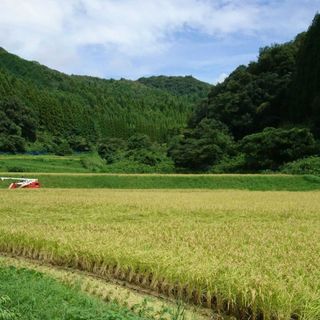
x=44, y=144
x=111, y=150
x=129, y=166
x=16, y=119
x=139, y=155
x=310, y=165
x=230, y=165
x=79, y=144
x=139, y=141
x=62, y=148
x=271, y=148
x=202, y=147
x=12, y=144
x=150, y=157
x=16, y=169
x=93, y=163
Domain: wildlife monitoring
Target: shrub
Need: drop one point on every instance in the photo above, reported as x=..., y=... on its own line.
x=62, y=148
x=12, y=144
x=44, y=144
x=139, y=141
x=230, y=165
x=139, y=155
x=271, y=148
x=16, y=169
x=93, y=163
x=111, y=149
x=310, y=165
x=130, y=166
x=79, y=144
x=202, y=147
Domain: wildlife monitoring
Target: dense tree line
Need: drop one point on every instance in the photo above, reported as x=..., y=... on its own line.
x=305, y=89
x=262, y=116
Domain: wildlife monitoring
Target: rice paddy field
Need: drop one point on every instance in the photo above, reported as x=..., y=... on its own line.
x=249, y=254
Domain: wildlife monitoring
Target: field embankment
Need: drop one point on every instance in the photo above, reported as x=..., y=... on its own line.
x=256, y=182
x=250, y=254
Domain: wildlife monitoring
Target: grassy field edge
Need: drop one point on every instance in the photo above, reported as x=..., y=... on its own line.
x=161, y=181
x=143, y=302
x=26, y=292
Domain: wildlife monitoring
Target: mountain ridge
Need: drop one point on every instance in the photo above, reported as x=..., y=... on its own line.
x=91, y=107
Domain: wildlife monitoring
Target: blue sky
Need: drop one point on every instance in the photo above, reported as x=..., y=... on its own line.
x=135, y=38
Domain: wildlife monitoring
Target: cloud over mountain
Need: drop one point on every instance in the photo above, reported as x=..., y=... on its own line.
x=138, y=37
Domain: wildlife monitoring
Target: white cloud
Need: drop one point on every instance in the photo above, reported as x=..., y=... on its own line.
x=57, y=33
x=220, y=78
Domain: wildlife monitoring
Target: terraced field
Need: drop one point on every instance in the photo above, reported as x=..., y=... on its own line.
x=250, y=254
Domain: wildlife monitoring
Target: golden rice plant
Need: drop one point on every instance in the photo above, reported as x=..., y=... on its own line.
x=254, y=255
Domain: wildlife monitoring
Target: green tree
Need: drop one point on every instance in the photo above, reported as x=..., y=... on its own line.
x=202, y=147
x=305, y=91
x=111, y=149
x=17, y=125
x=139, y=141
x=253, y=96
x=272, y=147
x=12, y=143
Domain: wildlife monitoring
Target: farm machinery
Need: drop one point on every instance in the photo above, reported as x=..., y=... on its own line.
x=22, y=183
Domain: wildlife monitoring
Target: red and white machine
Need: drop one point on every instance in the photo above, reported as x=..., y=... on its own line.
x=22, y=183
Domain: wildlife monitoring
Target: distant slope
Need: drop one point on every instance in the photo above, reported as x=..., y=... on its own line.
x=187, y=86
x=87, y=106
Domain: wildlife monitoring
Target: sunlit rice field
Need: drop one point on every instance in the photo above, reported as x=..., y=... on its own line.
x=246, y=253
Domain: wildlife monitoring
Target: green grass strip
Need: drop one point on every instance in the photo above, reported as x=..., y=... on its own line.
x=30, y=295
x=238, y=182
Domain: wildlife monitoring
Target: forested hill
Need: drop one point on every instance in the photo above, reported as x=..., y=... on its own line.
x=187, y=86
x=86, y=107
x=263, y=115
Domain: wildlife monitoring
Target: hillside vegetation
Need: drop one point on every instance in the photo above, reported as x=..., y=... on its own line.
x=82, y=109
x=262, y=117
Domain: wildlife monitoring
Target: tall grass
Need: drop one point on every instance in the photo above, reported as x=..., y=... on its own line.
x=250, y=254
